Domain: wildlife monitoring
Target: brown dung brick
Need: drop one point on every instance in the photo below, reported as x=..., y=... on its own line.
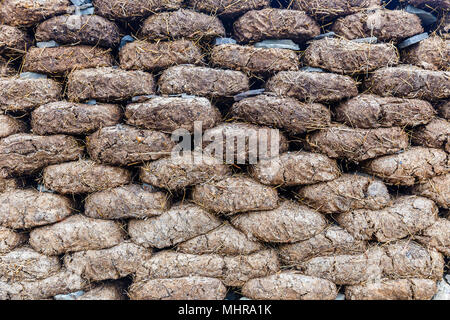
x=8, y=184
x=182, y=24
x=180, y=223
x=312, y=86
x=436, y=134
x=6, y=68
x=295, y=168
x=202, y=81
x=132, y=9
x=289, y=223
x=23, y=153
x=346, y=193
x=328, y=9
x=13, y=41
x=62, y=60
x=235, y=195
x=370, y=111
x=148, y=56
x=436, y=189
x=108, y=84
x=84, y=176
x=131, y=201
x=105, y=292
x=227, y=8
x=415, y=165
x=358, y=144
x=10, y=126
x=9, y=239
x=76, y=233
x=444, y=109
x=437, y=236
x=432, y=54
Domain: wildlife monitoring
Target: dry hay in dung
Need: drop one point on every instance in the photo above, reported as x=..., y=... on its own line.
x=435, y=134
x=10, y=126
x=228, y=8
x=13, y=41
x=133, y=9
x=432, y=54
x=436, y=189
x=9, y=239
x=329, y=9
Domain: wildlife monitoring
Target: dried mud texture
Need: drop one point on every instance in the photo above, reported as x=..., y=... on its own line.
x=79, y=29
x=436, y=189
x=183, y=23
x=444, y=109
x=243, y=143
x=326, y=9
x=358, y=144
x=233, y=271
x=386, y=25
x=84, y=176
x=59, y=283
x=437, y=236
x=402, y=289
x=415, y=165
x=312, y=86
x=76, y=233
x=287, y=114
x=6, y=69
x=13, y=41
x=22, y=154
x=406, y=216
x=289, y=223
x=235, y=195
x=168, y=114
x=188, y=288
x=202, y=81
x=143, y=55
x=8, y=184
x=180, y=223
x=436, y=134
x=62, y=60
x=332, y=241
x=9, y=240
x=10, y=126
x=271, y=23
x=254, y=60
x=370, y=111
x=108, y=84
x=105, y=292
x=410, y=82
x=25, y=264
x=124, y=145
x=26, y=94
x=224, y=240
x=347, y=193
x=290, y=285
x=24, y=209
x=131, y=9
x=227, y=8
x=180, y=171
x=349, y=57
x=132, y=201
x=113, y=263
x=432, y=54
x=295, y=168
x=29, y=12
x=73, y=118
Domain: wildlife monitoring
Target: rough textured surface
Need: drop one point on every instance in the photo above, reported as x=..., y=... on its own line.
x=131, y=201
x=9, y=239
x=287, y=114
x=312, y=86
x=436, y=134
x=432, y=53
x=444, y=109
x=108, y=84
x=227, y=8
x=437, y=236
x=8, y=184
x=371, y=111
x=271, y=23
x=188, y=288
x=124, y=145
x=180, y=223
x=202, y=81
x=358, y=144
x=10, y=126
x=107, y=292
x=130, y=9
x=410, y=82
x=349, y=57
x=73, y=118
x=6, y=68
x=83, y=29
x=59, y=60
x=346, y=193
x=22, y=154
x=84, y=176
x=290, y=286
x=289, y=223
x=13, y=41
x=333, y=8
x=437, y=189
x=443, y=4
x=234, y=195
x=76, y=233
x=296, y=168
x=182, y=24
x=410, y=167
x=168, y=114
x=181, y=171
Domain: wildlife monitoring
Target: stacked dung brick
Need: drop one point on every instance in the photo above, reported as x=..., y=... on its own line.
x=94, y=204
